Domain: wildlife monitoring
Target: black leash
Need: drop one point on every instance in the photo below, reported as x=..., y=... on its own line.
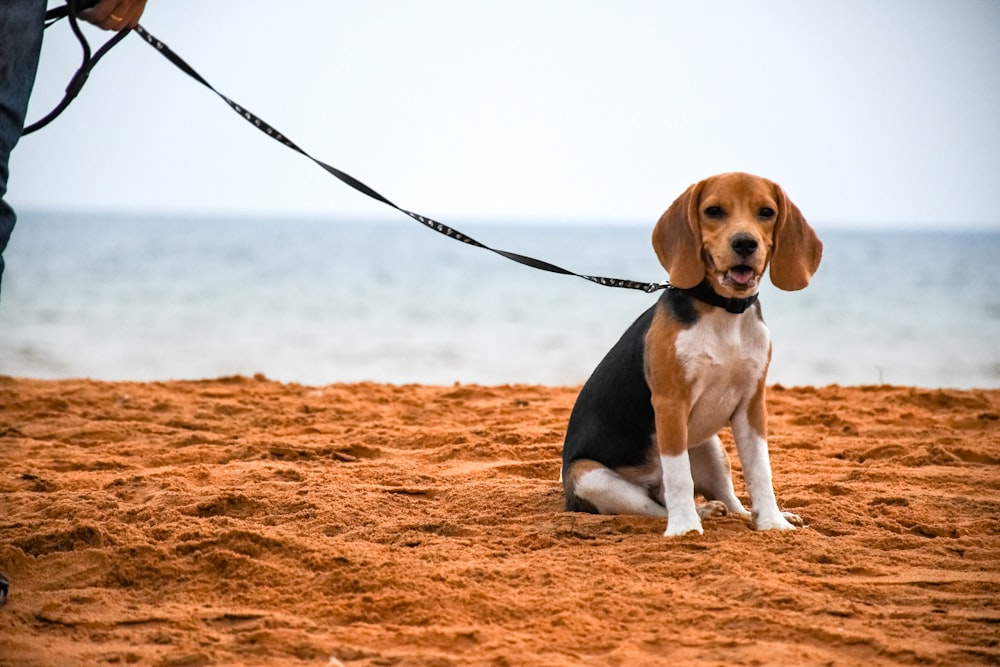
x=270, y=131
x=70, y=10
x=439, y=227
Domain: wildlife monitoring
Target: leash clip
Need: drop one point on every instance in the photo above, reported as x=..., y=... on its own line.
x=656, y=287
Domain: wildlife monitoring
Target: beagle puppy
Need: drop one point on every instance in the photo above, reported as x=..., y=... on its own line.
x=643, y=434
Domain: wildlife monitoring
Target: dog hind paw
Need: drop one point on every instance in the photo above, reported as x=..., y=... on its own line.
x=712, y=509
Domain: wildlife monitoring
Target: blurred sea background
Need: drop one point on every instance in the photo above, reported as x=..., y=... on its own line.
x=120, y=297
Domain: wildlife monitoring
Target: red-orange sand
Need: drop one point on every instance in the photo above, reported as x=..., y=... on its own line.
x=241, y=521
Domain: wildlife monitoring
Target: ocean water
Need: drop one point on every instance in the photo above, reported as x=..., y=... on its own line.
x=320, y=301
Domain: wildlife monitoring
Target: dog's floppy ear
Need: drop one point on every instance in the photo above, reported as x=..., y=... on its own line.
x=677, y=240
x=797, y=249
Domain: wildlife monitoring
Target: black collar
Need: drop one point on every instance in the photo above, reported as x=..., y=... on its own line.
x=704, y=293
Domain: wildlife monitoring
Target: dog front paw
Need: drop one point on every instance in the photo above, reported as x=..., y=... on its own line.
x=683, y=525
x=794, y=519
x=776, y=521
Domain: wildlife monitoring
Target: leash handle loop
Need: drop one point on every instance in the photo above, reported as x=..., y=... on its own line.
x=71, y=10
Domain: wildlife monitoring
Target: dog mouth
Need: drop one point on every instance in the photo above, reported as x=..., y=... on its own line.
x=741, y=276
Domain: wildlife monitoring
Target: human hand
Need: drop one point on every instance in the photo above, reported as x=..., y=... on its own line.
x=115, y=14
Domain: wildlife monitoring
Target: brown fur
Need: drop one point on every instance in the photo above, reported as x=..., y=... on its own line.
x=671, y=394
x=693, y=246
x=757, y=411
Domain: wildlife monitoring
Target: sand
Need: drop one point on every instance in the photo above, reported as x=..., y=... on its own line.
x=241, y=521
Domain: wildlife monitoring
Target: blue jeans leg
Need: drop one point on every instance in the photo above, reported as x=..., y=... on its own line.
x=21, y=25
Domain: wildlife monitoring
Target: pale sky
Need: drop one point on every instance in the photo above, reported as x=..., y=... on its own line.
x=867, y=113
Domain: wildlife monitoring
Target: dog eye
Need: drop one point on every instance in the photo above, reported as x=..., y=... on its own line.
x=765, y=212
x=714, y=212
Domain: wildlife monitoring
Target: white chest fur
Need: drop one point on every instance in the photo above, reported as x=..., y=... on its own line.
x=724, y=358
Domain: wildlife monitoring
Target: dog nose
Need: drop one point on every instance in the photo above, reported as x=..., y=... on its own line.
x=744, y=245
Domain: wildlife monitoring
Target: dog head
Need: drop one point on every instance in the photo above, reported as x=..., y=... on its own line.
x=728, y=229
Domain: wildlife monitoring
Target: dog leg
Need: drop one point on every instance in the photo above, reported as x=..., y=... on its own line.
x=610, y=493
x=678, y=494
x=756, y=462
x=713, y=478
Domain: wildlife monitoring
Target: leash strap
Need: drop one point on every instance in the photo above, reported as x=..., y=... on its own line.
x=75, y=85
x=346, y=178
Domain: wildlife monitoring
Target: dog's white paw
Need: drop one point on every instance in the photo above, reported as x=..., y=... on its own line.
x=793, y=519
x=741, y=511
x=683, y=525
x=775, y=521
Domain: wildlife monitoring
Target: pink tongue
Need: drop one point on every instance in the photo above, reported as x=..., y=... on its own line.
x=741, y=274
